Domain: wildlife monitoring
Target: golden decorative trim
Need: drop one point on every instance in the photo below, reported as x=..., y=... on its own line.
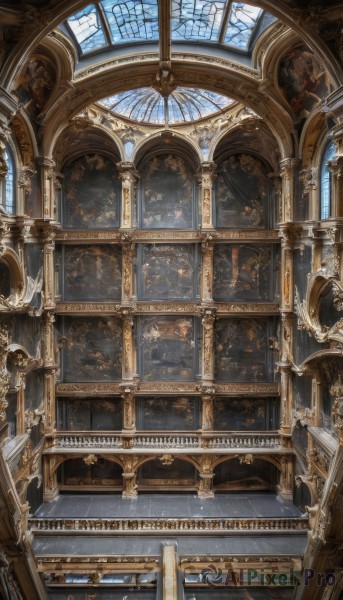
x=82, y=307
x=88, y=388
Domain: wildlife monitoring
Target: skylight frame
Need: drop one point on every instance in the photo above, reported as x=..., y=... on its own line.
x=205, y=22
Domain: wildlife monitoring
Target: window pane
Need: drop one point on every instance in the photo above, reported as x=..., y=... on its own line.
x=325, y=181
x=242, y=22
x=132, y=19
x=87, y=28
x=197, y=19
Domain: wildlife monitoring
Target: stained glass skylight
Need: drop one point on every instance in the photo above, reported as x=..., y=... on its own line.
x=182, y=105
x=107, y=23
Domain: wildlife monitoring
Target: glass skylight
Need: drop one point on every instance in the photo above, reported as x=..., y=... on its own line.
x=182, y=105
x=107, y=23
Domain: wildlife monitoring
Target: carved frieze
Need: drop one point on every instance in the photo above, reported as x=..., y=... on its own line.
x=88, y=388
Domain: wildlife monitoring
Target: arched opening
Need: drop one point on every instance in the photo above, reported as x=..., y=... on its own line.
x=242, y=474
x=96, y=475
x=172, y=475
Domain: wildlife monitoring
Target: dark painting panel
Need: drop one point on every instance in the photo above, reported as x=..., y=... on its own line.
x=27, y=333
x=92, y=414
x=167, y=349
x=303, y=344
x=302, y=266
x=244, y=272
x=300, y=439
x=241, y=192
x=5, y=280
x=167, y=193
x=34, y=390
x=174, y=414
x=241, y=350
x=92, y=351
x=234, y=475
x=75, y=472
x=167, y=272
x=92, y=272
x=11, y=414
x=303, y=81
x=327, y=421
x=246, y=414
x=302, y=392
x=178, y=473
x=91, y=193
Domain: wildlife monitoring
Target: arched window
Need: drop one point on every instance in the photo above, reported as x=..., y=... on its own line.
x=325, y=181
x=7, y=198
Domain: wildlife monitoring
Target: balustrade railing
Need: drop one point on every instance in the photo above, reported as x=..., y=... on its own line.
x=50, y=526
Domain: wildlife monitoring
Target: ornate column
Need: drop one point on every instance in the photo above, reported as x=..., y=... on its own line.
x=4, y=374
x=287, y=235
x=336, y=391
x=129, y=416
x=285, y=486
x=129, y=477
x=24, y=182
x=129, y=177
x=47, y=166
x=284, y=367
x=48, y=234
x=48, y=355
x=207, y=397
x=276, y=186
x=128, y=356
x=205, y=484
x=50, y=464
x=205, y=181
x=288, y=170
x=309, y=178
x=128, y=253
x=207, y=362
x=207, y=269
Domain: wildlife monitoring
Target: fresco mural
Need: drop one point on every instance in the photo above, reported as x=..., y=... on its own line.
x=241, y=350
x=234, y=475
x=92, y=350
x=91, y=193
x=76, y=472
x=178, y=473
x=167, y=349
x=92, y=272
x=244, y=272
x=167, y=193
x=303, y=80
x=89, y=414
x=246, y=414
x=182, y=413
x=34, y=85
x=241, y=192
x=167, y=272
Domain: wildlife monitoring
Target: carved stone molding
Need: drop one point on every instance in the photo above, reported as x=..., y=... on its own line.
x=88, y=307
x=88, y=388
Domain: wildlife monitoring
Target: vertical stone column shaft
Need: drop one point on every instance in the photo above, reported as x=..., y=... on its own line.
x=205, y=181
x=129, y=177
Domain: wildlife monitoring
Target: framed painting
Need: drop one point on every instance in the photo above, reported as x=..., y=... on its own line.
x=241, y=193
x=245, y=272
x=246, y=414
x=167, y=193
x=167, y=348
x=92, y=350
x=242, y=352
x=167, y=413
x=167, y=272
x=91, y=197
x=91, y=272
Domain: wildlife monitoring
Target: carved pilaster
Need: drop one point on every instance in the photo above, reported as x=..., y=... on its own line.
x=276, y=188
x=285, y=486
x=129, y=412
x=309, y=179
x=48, y=234
x=207, y=397
x=287, y=235
x=205, y=181
x=336, y=391
x=129, y=177
x=128, y=253
x=336, y=167
x=207, y=322
x=288, y=170
x=129, y=476
x=205, y=485
x=50, y=464
x=49, y=399
x=207, y=268
x=4, y=374
x=48, y=188
x=286, y=396
x=24, y=181
x=128, y=354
